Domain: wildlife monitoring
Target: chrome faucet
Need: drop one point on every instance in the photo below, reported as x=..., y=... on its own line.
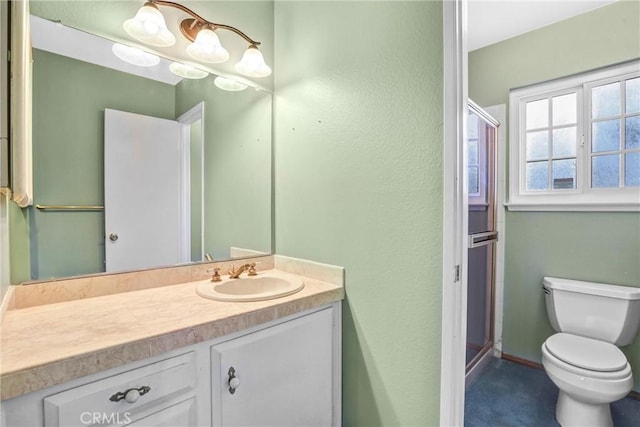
x=234, y=274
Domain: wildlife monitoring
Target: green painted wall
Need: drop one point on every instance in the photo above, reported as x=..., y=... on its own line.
x=601, y=247
x=18, y=244
x=69, y=99
x=358, y=131
x=237, y=181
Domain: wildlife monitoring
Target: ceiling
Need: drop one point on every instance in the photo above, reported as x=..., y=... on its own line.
x=491, y=21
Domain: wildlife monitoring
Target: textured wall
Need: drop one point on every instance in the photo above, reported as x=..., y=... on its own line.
x=18, y=243
x=69, y=98
x=359, y=176
x=602, y=247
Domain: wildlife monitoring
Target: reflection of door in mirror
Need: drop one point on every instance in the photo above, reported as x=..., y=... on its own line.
x=195, y=190
x=145, y=211
x=192, y=128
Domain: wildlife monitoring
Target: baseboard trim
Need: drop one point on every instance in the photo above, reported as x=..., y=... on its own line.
x=515, y=359
x=521, y=361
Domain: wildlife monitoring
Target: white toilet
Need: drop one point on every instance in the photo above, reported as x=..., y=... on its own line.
x=583, y=359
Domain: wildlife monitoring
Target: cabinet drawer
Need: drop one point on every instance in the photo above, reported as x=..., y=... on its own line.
x=181, y=414
x=95, y=403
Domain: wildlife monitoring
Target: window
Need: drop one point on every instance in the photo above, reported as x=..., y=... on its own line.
x=575, y=143
x=615, y=133
x=473, y=156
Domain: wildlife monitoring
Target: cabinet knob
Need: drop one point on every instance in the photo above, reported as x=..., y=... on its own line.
x=113, y=237
x=233, y=381
x=130, y=395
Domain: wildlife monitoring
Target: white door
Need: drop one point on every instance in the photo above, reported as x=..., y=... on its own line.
x=282, y=375
x=142, y=191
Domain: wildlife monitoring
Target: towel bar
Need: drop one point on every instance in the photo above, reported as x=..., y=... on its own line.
x=69, y=208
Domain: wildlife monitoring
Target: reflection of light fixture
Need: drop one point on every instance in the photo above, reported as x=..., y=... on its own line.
x=228, y=84
x=187, y=71
x=135, y=56
x=149, y=26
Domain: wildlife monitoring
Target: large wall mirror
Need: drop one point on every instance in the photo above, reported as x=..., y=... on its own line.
x=190, y=162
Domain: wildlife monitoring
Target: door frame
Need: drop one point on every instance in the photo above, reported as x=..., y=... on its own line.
x=192, y=115
x=455, y=216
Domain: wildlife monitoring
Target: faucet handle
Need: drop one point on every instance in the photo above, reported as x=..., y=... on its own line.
x=216, y=274
x=232, y=272
x=252, y=270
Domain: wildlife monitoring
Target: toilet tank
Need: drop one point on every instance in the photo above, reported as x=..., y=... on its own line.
x=609, y=313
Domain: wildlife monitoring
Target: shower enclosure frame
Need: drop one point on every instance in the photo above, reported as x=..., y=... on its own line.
x=473, y=366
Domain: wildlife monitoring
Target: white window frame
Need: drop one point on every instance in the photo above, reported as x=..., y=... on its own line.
x=583, y=197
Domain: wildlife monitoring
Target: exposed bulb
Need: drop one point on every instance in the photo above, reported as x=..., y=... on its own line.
x=252, y=64
x=207, y=47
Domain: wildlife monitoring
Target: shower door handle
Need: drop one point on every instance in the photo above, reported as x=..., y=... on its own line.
x=482, y=239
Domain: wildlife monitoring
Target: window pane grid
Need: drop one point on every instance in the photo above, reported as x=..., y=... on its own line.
x=606, y=157
x=615, y=136
x=551, y=143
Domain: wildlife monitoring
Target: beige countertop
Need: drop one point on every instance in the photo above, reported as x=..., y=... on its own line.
x=50, y=344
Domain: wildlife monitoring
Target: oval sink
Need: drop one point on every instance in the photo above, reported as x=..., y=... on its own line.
x=256, y=288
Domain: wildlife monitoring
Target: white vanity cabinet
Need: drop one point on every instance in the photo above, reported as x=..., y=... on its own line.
x=278, y=376
x=283, y=372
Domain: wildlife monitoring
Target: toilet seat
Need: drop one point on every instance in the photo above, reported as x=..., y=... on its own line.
x=586, y=353
x=586, y=373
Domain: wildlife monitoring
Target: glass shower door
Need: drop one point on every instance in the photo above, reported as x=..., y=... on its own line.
x=481, y=156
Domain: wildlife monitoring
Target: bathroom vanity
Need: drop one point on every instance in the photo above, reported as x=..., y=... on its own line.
x=167, y=357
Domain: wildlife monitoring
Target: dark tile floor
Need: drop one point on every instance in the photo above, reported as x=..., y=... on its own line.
x=508, y=394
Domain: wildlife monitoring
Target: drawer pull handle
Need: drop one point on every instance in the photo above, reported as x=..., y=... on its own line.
x=130, y=395
x=233, y=381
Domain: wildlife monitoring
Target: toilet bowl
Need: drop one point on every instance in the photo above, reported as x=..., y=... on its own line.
x=589, y=374
x=583, y=359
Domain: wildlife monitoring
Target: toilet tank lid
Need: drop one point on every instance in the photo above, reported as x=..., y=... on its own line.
x=605, y=290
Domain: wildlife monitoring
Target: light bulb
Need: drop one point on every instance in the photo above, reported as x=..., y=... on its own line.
x=252, y=64
x=149, y=27
x=207, y=47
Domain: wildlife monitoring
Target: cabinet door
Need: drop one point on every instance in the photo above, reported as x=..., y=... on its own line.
x=285, y=375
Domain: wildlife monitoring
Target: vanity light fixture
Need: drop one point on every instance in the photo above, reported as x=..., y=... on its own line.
x=229, y=84
x=207, y=48
x=149, y=26
x=135, y=56
x=187, y=71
